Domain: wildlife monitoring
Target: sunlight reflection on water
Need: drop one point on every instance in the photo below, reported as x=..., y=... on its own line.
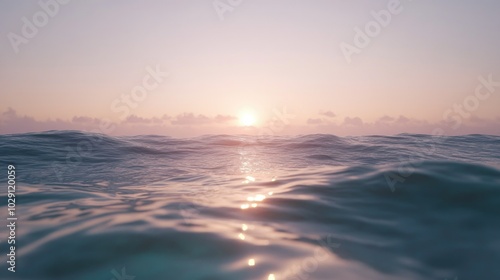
x=310, y=207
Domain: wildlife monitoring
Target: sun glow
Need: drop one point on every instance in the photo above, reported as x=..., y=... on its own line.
x=247, y=119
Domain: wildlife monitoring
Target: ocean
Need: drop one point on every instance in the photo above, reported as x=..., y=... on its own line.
x=219, y=207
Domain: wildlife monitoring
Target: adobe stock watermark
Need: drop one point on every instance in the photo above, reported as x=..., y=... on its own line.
x=48, y=9
x=453, y=116
x=224, y=6
x=471, y=103
x=128, y=101
x=121, y=105
x=278, y=122
x=121, y=276
x=309, y=265
x=363, y=37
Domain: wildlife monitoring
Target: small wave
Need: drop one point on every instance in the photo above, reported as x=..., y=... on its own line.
x=395, y=207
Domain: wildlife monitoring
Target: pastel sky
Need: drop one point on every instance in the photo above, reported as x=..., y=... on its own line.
x=279, y=66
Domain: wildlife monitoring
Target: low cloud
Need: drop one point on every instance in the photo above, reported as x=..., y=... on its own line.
x=314, y=121
x=191, y=119
x=328, y=114
x=86, y=120
x=224, y=119
x=190, y=124
x=12, y=122
x=356, y=121
x=133, y=119
x=386, y=119
x=9, y=114
x=402, y=120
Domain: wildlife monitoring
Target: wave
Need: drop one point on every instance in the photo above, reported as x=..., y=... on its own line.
x=307, y=207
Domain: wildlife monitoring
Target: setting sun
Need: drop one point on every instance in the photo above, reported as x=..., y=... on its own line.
x=247, y=119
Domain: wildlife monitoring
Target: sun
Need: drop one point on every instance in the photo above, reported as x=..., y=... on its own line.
x=247, y=119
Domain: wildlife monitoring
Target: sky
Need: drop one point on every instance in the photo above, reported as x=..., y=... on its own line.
x=187, y=68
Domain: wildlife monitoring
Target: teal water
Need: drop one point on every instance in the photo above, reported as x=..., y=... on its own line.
x=245, y=207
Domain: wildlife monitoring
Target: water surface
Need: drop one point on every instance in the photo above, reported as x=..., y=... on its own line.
x=246, y=207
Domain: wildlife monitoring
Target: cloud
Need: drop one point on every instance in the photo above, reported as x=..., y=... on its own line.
x=11, y=116
x=224, y=119
x=133, y=119
x=386, y=119
x=12, y=122
x=10, y=113
x=85, y=120
x=191, y=119
x=314, y=121
x=402, y=120
x=328, y=114
x=356, y=121
x=190, y=124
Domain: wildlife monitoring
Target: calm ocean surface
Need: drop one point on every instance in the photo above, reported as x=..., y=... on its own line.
x=246, y=207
